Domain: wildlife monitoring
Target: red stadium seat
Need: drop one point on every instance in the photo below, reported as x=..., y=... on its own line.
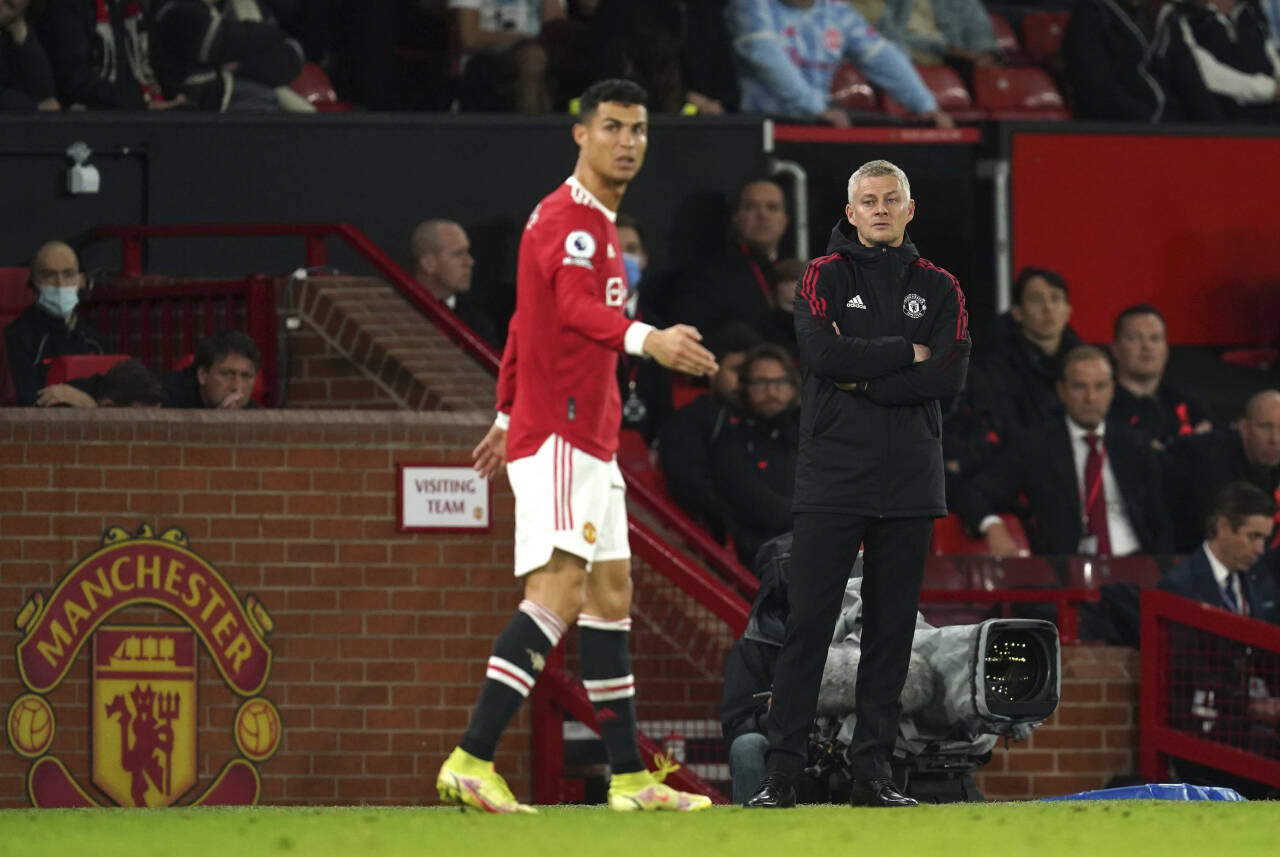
x=950, y=536
x=1018, y=93
x=850, y=89
x=314, y=85
x=1042, y=35
x=1253, y=358
x=1086, y=572
x=684, y=392
x=947, y=88
x=14, y=294
x=1006, y=39
x=68, y=366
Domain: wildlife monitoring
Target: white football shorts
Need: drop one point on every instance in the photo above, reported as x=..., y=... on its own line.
x=570, y=500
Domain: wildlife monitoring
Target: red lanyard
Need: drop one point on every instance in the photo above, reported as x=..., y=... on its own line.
x=759, y=274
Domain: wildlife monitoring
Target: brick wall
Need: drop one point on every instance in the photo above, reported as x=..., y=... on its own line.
x=1092, y=737
x=380, y=637
x=362, y=346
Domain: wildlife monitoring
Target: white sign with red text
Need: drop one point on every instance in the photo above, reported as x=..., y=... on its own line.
x=443, y=497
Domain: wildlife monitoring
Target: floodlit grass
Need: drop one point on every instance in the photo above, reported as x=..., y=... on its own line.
x=1078, y=829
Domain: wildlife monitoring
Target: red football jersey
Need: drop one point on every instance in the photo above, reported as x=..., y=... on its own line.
x=559, y=369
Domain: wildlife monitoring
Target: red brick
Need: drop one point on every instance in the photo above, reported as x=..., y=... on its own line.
x=93, y=454
x=234, y=480
x=259, y=457
x=288, y=481
x=1077, y=739
x=206, y=504
x=364, y=742
x=365, y=648
x=311, y=504
x=475, y=552
x=473, y=600
x=359, y=696
x=153, y=455
x=310, y=458
x=1101, y=763
x=309, y=552
x=362, y=599
x=1050, y=785
x=125, y=480
x=43, y=501
x=182, y=480
x=29, y=477
x=329, y=765
x=1030, y=761
x=207, y=456
x=259, y=552
x=1005, y=785
x=361, y=553
x=1093, y=715
x=259, y=504
x=339, y=718
x=358, y=505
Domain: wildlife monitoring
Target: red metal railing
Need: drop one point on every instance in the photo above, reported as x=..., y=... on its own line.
x=1182, y=643
x=159, y=322
x=314, y=235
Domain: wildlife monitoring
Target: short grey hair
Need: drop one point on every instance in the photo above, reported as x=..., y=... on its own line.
x=875, y=169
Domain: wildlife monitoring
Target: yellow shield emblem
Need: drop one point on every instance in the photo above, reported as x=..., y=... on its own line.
x=144, y=713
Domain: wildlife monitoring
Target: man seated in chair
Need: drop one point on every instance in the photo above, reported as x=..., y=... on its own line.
x=49, y=327
x=221, y=377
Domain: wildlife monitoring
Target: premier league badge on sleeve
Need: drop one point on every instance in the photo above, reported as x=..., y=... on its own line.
x=579, y=248
x=913, y=306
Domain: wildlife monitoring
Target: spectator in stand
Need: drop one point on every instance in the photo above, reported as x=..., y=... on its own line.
x=49, y=327
x=1014, y=384
x=222, y=55
x=737, y=282
x=1155, y=410
x=26, y=78
x=780, y=328
x=677, y=49
x=442, y=264
x=129, y=384
x=221, y=377
x=1107, y=52
x=1220, y=59
x=99, y=50
x=1092, y=485
x=937, y=31
x=1219, y=688
x=689, y=438
x=519, y=53
x=1223, y=571
x=1200, y=465
x=754, y=462
x=787, y=52
x=645, y=386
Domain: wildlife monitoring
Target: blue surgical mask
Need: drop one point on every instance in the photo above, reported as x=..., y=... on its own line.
x=631, y=263
x=59, y=300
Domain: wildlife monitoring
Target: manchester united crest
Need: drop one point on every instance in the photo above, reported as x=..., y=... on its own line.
x=913, y=306
x=144, y=706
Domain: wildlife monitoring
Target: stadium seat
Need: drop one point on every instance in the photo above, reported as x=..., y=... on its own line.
x=951, y=537
x=68, y=366
x=633, y=457
x=947, y=87
x=1042, y=35
x=1253, y=358
x=258, y=384
x=1006, y=39
x=683, y=392
x=1090, y=572
x=1018, y=93
x=14, y=294
x=314, y=85
x=850, y=89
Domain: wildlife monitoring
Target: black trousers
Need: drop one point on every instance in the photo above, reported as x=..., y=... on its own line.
x=822, y=554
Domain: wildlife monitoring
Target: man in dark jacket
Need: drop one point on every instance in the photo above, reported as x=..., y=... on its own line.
x=49, y=327
x=99, y=53
x=1219, y=59
x=1200, y=465
x=221, y=377
x=1122, y=510
x=1106, y=49
x=755, y=461
x=26, y=78
x=202, y=51
x=883, y=335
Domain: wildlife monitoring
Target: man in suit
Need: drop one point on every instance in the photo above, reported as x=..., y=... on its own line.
x=1201, y=464
x=1092, y=486
x=1218, y=686
x=1224, y=571
x=442, y=263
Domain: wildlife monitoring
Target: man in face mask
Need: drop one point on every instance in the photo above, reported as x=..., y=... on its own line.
x=49, y=327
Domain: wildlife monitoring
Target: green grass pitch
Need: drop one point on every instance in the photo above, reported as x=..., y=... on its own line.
x=1078, y=829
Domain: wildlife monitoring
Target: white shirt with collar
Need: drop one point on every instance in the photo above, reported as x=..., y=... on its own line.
x=1123, y=540
x=1223, y=575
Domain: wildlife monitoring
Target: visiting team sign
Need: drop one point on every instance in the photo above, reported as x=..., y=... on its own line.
x=442, y=498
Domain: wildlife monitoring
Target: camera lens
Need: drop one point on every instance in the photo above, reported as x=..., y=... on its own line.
x=1016, y=667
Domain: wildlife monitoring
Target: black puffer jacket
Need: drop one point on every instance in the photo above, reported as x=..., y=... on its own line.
x=877, y=453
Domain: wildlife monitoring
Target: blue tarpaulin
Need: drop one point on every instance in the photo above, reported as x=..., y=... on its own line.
x=1157, y=791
